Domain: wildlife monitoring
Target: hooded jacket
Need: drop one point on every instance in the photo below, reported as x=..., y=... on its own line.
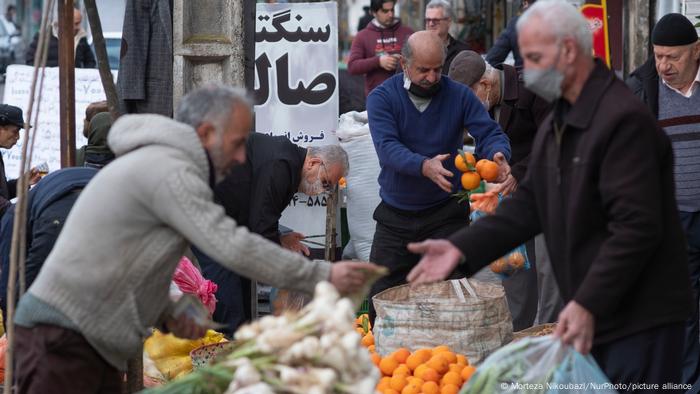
x=371, y=43
x=96, y=153
x=110, y=270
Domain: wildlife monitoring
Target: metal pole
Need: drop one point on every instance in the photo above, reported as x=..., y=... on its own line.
x=102, y=60
x=66, y=86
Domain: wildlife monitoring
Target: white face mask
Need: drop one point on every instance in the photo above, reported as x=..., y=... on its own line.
x=545, y=83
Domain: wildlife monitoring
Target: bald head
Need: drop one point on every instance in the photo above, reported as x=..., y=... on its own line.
x=425, y=45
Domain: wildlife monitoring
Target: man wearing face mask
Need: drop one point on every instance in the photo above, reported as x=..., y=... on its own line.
x=519, y=113
x=599, y=185
x=255, y=194
x=417, y=120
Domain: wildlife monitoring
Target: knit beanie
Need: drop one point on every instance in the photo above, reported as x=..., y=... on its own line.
x=674, y=30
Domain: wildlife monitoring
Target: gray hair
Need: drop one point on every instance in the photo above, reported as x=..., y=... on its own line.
x=331, y=155
x=407, y=51
x=211, y=103
x=446, y=8
x=563, y=19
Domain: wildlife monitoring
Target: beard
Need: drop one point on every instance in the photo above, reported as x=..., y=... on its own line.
x=311, y=188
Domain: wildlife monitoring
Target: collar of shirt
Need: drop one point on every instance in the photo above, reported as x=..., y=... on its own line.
x=690, y=90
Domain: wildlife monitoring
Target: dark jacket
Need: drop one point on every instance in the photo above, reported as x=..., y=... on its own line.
x=96, y=153
x=8, y=189
x=522, y=112
x=49, y=203
x=454, y=46
x=644, y=82
x=369, y=44
x=84, y=57
x=506, y=42
x=604, y=199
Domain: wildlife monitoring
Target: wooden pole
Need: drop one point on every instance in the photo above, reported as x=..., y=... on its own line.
x=98, y=41
x=66, y=85
x=331, y=220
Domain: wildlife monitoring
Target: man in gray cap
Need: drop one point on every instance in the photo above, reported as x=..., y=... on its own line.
x=11, y=121
x=675, y=100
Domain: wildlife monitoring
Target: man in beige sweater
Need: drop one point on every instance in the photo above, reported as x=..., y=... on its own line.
x=105, y=283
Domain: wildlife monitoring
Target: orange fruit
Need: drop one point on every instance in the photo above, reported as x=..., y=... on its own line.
x=462, y=360
x=401, y=354
x=456, y=368
x=402, y=369
x=441, y=348
x=371, y=348
x=449, y=356
x=439, y=364
x=467, y=372
x=430, y=375
x=388, y=365
x=368, y=340
x=390, y=391
x=384, y=383
x=470, y=180
x=452, y=378
x=398, y=382
x=516, y=260
x=375, y=358
x=430, y=388
x=413, y=361
x=449, y=389
x=411, y=389
x=499, y=266
x=415, y=381
x=418, y=372
x=488, y=170
x=425, y=353
x=360, y=331
x=461, y=163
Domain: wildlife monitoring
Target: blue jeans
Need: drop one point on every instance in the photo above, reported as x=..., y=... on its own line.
x=691, y=363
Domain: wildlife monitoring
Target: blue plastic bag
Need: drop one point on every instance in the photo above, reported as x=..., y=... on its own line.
x=538, y=365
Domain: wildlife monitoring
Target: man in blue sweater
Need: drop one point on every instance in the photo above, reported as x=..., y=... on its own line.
x=417, y=120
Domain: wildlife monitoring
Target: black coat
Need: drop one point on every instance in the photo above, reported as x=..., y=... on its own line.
x=8, y=189
x=256, y=193
x=84, y=57
x=644, y=82
x=604, y=199
x=506, y=42
x=454, y=46
x=522, y=112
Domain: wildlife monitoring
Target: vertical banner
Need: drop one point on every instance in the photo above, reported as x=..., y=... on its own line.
x=296, y=88
x=597, y=16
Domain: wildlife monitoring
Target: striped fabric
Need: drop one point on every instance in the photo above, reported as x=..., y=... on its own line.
x=680, y=118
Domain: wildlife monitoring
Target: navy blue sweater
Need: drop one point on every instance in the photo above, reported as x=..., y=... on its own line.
x=405, y=137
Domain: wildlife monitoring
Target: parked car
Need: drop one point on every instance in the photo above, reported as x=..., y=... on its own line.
x=113, y=44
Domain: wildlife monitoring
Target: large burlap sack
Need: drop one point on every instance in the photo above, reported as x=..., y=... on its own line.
x=362, y=189
x=469, y=316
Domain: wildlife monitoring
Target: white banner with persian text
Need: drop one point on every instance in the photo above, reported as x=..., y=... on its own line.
x=88, y=89
x=296, y=88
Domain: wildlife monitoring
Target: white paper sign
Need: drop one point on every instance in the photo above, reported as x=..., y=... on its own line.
x=88, y=89
x=296, y=88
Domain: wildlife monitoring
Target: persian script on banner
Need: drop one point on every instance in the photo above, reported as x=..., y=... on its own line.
x=47, y=148
x=296, y=88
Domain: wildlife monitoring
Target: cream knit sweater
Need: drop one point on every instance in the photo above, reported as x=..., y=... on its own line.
x=110, y=269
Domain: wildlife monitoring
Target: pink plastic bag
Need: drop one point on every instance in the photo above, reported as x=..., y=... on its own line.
x=189, y=280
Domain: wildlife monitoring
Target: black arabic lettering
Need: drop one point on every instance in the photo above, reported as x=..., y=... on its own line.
x=309, y=95
x=282, y=33
x=262, y=64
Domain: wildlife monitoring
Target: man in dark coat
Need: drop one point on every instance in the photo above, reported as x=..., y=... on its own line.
x=84, y=58
x=255, y=194
x=599, y=186
x=675, y=101
x=11, y=121
x=438, y=19
x=519, y=112
x=48, y=206
x=507, y=42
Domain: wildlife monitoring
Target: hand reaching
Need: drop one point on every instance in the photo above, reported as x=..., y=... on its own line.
x=440, y=258
x=292, y=241
x=434, y=170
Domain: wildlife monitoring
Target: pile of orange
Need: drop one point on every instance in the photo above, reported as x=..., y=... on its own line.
x=474, y=171
x=425, y=371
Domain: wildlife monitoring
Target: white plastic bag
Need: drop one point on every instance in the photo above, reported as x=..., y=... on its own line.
x=362, y=189
x=538, y=365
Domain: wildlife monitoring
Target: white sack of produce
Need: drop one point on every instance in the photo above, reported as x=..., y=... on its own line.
x=362, y=187
x=469, y=316
x=538, y=365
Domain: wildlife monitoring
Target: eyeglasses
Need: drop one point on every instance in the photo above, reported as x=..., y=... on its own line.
x=435, y=21
x=327, y=186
